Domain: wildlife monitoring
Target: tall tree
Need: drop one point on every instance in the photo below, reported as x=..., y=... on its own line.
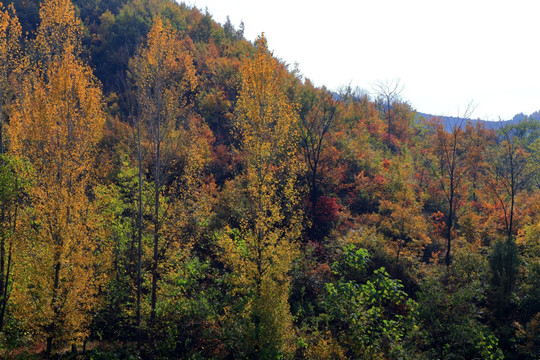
x=450, y=167
x=261, y=252
x=315, y=123
x=400, y=210
x=164, y=76
x=10, y=186
x=10, y=54
x=55, y=125
x=513, y=167
x=388, y=93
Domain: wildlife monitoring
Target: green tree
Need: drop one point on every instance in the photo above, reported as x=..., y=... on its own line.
x=371, y=315
x=451, y=320
x=12, y=189
x=513, y=167
x=504, y=265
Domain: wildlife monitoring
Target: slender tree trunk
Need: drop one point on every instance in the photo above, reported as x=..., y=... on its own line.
x=258, y=282
x=53, y=325
x=139, y=236
x=3, y=220
x=449, y=237
x=155, y=261
x=156, y=222
x=510, y=225
x=314, y=200
x=48, y=349
x=450, y=224
x=2, y=247
x=258, y=279
x=2, y=150
x=389, y=119
x=1, y=134
x=5, y=289
x=512, y=195
x=6, y=277
x=314, y=192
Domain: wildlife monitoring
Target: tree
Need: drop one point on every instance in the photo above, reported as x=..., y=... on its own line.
x=388, y=92
x=451, y=317
x=450, y=168
x=315, y=123
x=504, y=264
x=55, y=125
x=10, y=52
x=370, y=315
x=164, y=78
x=400, y=212
x=10, y=182
x=512, y=172
x=513, y=167
x=12, y=189
x=261, y=251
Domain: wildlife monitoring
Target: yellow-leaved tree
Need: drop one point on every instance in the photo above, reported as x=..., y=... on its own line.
x=55, y=126
x=10, y=184
x=164, y=78
x=10, y=51
x=260, y=253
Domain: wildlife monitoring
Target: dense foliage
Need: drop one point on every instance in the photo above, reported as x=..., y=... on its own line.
x=169, y=190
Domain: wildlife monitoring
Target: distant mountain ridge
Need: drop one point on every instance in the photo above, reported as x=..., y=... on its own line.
x=450, y=121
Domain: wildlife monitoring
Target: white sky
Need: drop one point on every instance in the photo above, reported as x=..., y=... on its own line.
x=446, y=53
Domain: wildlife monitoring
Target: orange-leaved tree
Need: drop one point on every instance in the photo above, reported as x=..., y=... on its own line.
x=55, y=125
x=450, y=166
x=260, y=253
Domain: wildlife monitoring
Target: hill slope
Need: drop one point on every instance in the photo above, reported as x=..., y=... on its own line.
x=449, y=121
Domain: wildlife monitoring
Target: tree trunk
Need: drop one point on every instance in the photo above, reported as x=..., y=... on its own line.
x=48, y=349
x=139, y=237
x=314, y=199
x=512, y=194
x=5, y=295
x=449, y=227
x=1, y=128
x=156, y=224
x=258, y=282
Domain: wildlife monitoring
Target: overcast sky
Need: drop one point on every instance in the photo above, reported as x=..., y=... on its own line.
x=446, y=53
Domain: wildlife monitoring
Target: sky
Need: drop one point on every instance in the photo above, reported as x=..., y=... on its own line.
x=446, y=54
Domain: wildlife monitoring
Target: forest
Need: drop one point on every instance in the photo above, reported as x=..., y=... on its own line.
x=170, y=190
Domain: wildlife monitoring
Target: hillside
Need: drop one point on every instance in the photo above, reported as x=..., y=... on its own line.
x=450, y=122
x=170, y=190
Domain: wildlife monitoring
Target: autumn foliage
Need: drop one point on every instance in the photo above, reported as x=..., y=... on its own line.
x=170, y=190
x=55, y=125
